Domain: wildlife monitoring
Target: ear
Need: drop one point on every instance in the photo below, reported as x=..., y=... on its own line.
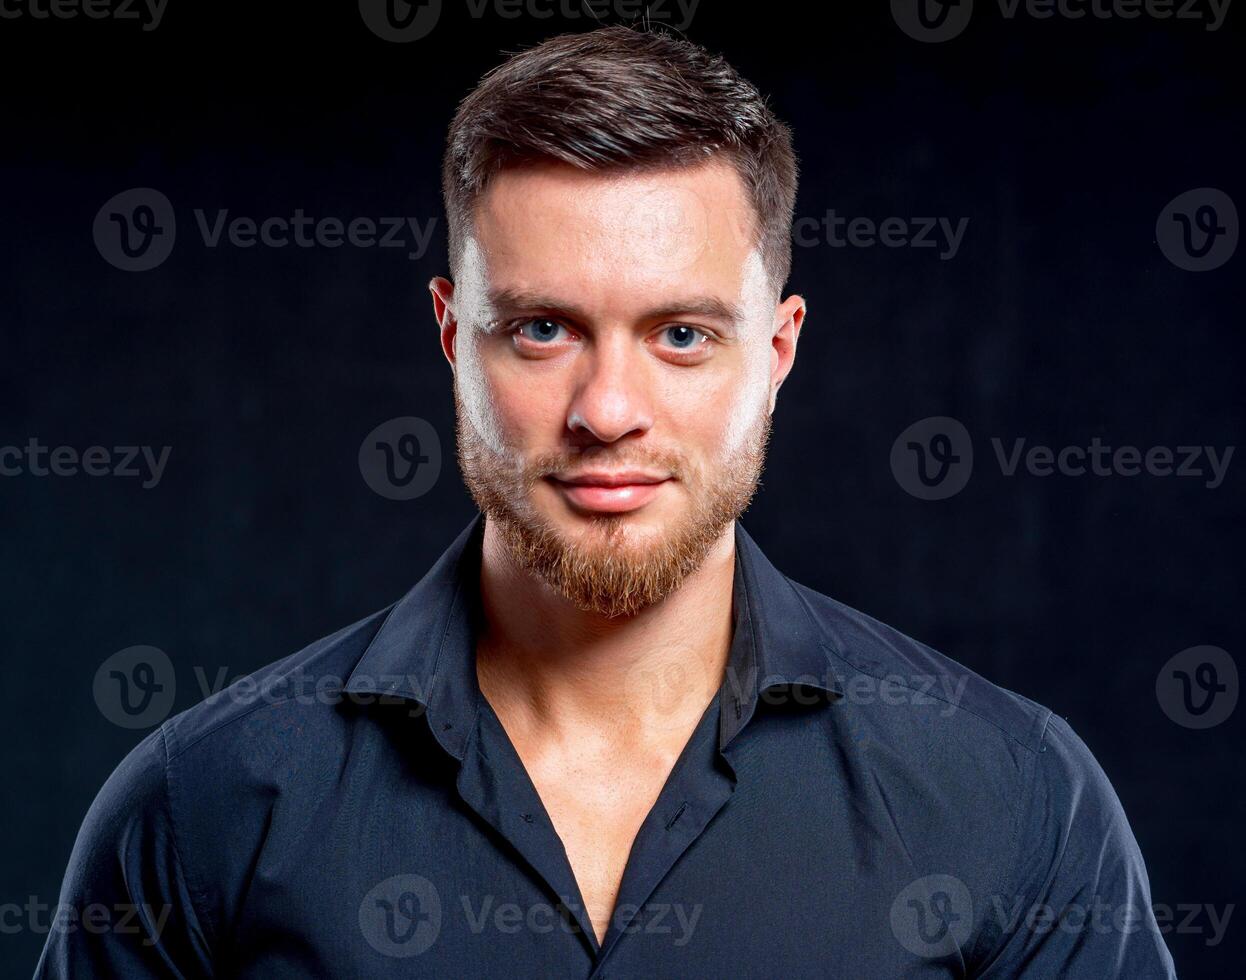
x=788, y=318
x=443, y=309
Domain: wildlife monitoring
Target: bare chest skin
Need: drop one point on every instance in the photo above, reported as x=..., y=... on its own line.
x=598, y=794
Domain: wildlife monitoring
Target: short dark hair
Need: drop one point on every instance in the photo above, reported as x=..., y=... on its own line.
x=622, y=98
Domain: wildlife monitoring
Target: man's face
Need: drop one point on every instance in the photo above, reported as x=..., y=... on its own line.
x=616, y=348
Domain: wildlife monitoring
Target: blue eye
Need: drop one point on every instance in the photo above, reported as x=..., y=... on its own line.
x=541, y=331
x=683, y=337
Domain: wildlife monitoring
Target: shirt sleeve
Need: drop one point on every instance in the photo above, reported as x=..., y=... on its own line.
x=1082, y=906
x=125, y=907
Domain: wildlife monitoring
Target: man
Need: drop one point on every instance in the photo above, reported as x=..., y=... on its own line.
x=604, y=736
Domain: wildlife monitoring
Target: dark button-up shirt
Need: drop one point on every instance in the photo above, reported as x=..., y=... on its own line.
x=852, y=804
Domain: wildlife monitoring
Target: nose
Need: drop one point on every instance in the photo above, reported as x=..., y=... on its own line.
x=611, y=398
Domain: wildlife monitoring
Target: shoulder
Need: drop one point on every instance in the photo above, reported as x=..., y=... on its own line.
x=269, y=738
x=303, y=689
x=877, y=664
x=248, y=762
x=949, y=731
x=1002, y=791
x=234, y=730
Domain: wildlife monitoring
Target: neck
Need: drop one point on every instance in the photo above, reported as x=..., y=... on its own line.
x=547, y=666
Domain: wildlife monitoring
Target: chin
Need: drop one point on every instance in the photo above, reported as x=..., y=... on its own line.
x=638, y=526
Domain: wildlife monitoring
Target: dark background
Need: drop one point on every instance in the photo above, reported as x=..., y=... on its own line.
x=1058, y=320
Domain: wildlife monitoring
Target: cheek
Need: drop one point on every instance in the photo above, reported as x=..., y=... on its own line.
x=478, y=398
x=502, y=406
x=715, y=417
x=749, y=401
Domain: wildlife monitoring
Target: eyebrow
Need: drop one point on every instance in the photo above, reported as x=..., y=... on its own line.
x=519, y=300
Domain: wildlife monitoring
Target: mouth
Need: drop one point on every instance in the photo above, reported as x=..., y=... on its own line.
x=609, y=493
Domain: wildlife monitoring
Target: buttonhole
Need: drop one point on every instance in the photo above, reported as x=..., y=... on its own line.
x=678, y=813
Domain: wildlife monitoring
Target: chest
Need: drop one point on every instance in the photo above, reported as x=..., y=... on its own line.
x=430, y=872
x=597, y=803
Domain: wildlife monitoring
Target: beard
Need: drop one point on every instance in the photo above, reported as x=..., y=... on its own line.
x=604, y=571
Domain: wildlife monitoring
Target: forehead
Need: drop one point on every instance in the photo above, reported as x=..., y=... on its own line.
x=616, y=238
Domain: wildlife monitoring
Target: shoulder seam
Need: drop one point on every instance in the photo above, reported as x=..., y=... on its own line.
x=268, y=703
x=193, y=886
x=226, y=723
x=831, y=647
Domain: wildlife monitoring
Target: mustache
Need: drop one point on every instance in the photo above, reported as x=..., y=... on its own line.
x=605, y=457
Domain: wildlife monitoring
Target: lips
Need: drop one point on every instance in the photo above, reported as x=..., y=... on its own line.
x=610, y=493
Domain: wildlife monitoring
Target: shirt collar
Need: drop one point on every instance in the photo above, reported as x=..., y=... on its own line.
x=422, y=650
